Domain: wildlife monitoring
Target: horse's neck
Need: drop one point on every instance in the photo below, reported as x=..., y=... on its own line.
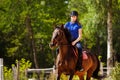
x=63, y=49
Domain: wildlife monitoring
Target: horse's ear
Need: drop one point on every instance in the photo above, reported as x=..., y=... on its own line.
x=54, y=26
x=62, y=26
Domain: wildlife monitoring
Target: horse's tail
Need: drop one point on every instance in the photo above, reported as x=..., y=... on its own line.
x=95, y=73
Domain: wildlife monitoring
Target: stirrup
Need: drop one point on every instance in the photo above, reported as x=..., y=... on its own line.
x=81, y=69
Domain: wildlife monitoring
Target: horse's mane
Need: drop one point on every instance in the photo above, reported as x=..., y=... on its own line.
x=66, y=31
x=67, y=35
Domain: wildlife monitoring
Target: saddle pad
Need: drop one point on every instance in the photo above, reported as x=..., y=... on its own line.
x=84, y=55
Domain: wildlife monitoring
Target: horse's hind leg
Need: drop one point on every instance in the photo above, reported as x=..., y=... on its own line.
x=89, y=74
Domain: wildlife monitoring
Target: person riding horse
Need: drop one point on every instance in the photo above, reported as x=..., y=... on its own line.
x=75, y=28
x=67, y=58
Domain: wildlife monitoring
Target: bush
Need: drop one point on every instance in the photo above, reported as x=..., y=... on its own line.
x=8, y=74
x=116, y=72
x=11, y=74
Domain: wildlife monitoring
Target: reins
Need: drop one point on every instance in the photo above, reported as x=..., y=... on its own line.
x=75, y=53
x=65, y=45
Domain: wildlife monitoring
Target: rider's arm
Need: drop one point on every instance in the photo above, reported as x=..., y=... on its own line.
x=79, y=37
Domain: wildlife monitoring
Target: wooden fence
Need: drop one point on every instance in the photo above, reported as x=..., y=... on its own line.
x=103, y=70
x=1, y=69
x=44, y=72
x=47, y=71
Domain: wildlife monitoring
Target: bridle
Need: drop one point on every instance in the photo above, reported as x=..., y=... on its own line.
x=59, y=40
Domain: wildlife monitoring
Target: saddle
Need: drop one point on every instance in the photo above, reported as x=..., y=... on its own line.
x=84, y=54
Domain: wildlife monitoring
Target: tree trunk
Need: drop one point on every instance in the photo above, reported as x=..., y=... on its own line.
x=109, y=38
x=31, y=37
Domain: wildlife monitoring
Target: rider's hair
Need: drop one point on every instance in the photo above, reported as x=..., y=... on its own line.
x=77, y=21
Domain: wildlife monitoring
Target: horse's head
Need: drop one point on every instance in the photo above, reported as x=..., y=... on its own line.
x=58, y=36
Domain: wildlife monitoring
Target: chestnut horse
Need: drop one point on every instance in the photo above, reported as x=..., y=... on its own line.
x=67, y=57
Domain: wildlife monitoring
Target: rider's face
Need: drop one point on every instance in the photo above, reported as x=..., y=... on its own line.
x=73, y=18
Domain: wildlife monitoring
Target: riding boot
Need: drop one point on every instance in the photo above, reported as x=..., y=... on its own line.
x=79, y=62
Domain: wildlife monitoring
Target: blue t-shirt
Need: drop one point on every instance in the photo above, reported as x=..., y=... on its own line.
x=73, y=28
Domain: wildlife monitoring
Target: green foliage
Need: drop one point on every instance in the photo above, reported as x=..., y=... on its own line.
x=64, y=77
x=23, y=66
x=116, y=26
x=116, y=72
x=8, y=73
x=91, y=21
x=14, y=40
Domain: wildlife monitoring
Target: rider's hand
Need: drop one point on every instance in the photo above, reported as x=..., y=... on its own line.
x=73, y=43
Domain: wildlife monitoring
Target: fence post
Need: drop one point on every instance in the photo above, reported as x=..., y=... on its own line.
x=1, y=68
x=101, y=68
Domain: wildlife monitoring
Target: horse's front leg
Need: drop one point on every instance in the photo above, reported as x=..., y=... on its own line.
x=58, y=76
x=81, y=77
x=71, y=77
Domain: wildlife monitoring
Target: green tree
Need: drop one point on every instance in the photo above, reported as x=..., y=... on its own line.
x=16, y=42
x=93, y=17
